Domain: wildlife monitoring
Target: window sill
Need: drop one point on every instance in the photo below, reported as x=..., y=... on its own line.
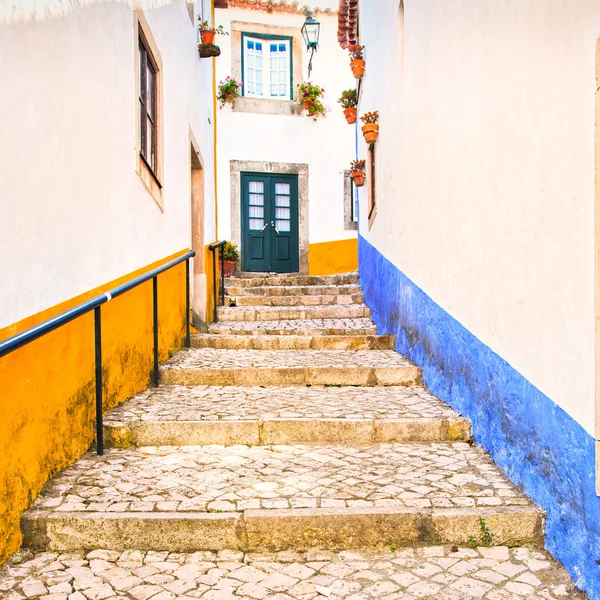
x=150, y=181
x=350, y=226
x=268, y=107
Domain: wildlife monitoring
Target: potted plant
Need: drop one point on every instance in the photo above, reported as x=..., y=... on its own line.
x=230, y=257
x=349, y=100
x=357, y=172
x=207, y=33
x=370, y=128
x=311, y=96
x=357, y=64
x=229, y=90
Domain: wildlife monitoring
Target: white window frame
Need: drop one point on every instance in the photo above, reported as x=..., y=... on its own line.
x=266, y=70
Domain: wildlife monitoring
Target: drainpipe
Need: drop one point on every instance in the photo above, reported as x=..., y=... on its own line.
x=214, y=93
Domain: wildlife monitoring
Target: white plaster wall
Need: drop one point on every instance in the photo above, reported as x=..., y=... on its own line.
x=327, y=145
x=485, y=165
x=74, y=212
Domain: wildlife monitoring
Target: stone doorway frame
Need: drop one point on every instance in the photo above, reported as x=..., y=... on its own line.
x=237, y=167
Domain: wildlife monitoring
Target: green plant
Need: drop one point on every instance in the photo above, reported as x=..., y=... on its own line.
x=356, y=52
x=486, y=537
x=230, y=252
x=205, y=26
x=311, y=96
x=357, y=166
x=370, y=117
x=348, y=99
x=393, y=548
x=229, y=90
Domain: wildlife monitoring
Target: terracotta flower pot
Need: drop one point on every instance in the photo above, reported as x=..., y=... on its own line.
x=358, y=68
x=207, y=36
x=370, y=132
x=350, y=114
x=358, y=177
x=228, y=268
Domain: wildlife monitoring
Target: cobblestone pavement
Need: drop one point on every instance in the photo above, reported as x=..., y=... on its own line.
x=211, y=358
x=210, y=403
x=362, y=326
x=236, y=478
x=434, y=573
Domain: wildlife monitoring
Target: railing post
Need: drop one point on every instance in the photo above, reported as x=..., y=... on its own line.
x=222, y=278
x=98, y=353
x=155, y=328
x=188, y=341
x=216, y=315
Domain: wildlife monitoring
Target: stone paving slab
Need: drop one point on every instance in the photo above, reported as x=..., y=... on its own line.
x=292, y=290
x=208, y=366
x=201, y=415
x=309, y=327
x=295, y=300
x=294, y=342
x=431, y=573
x=276, y=313
x=292, y=280
x=237, y=478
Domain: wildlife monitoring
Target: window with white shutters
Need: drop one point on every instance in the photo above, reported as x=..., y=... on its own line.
x=267, y=67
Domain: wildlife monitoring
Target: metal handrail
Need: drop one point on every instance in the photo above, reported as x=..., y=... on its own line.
x=213, y=248
x=33, y=333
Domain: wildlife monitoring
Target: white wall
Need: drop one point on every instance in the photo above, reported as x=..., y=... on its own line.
x=485, y=169
x=75, y=214
x=327, y=145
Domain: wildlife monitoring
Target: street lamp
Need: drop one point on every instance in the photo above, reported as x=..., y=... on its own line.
x=310, y=33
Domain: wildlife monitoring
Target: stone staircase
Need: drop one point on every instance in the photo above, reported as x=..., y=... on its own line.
x=289, y=454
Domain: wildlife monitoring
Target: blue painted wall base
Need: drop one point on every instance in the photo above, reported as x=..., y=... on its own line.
x=539, y=446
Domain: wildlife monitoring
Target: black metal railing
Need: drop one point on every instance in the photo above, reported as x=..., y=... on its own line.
x=213, y=248
x=30, y=335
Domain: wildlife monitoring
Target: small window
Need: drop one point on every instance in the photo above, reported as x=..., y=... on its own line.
x=267, y=67
x=350, y=200
x=148, y=107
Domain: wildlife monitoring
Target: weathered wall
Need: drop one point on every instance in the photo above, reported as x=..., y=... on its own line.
x=481, y=255
x=327, y=146
x=327, y=258
x=77, y=219
x=47, y=412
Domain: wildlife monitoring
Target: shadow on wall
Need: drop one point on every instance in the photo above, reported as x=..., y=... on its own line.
x=539, y=446
x=47, y=408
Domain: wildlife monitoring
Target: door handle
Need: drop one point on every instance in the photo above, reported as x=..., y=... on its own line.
x=275, y=228
x=266, y=225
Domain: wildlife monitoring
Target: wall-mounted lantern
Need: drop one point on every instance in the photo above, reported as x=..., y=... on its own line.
x=310, y=32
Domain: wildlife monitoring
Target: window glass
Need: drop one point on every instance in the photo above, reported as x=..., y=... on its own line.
x=267, y=68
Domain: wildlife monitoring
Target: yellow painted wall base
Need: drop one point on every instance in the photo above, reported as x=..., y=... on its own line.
x=47, y=392
x=329, y=258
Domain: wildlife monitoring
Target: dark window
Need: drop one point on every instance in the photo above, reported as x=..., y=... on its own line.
x=148, y=117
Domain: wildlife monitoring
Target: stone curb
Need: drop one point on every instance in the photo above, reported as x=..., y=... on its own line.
x=277, y=313
x=276, y=530
x=269, y=432
x=301, y=300
x=294, y=342
x=330, y=331
x=361, y=376
x=295, y=280
x=275, y=291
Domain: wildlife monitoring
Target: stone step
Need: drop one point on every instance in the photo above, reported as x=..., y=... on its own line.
x=285, y=497
x=307, y=327
x=292, y=290
x=441, y=572
x=291, y=280
x=208, y=366
x=289, y=313
x=289, y=300
x=294, y=342
x=204, y=415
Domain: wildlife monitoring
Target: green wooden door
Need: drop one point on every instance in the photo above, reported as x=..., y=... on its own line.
x=270, y=223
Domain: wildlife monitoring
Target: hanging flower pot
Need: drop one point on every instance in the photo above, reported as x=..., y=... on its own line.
x=358, y=178
x=207, y=36
x=358, y=68
x=357, y=172
x=350, y=114
x=306, y=105
x=370, y=128
x=357, y=64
